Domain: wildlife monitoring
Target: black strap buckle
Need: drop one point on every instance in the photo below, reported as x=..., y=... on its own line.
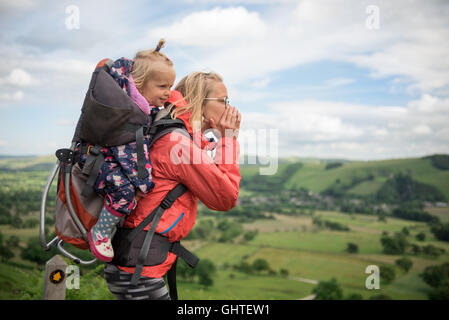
x=93, y=150
x=166, y=203
x=146, y=130
x=65, y=156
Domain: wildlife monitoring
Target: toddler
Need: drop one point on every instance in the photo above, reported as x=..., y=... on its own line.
x=147, y=80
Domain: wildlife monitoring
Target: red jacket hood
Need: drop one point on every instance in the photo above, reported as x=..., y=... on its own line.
x=178, y=100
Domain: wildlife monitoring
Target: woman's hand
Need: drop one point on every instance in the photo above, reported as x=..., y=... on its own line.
x=229, y=124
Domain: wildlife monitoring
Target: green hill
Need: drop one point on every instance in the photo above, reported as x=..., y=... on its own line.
x=360, y=178
x=357, y=177
x=295, y=232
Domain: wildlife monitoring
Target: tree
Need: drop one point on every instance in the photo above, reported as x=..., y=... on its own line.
x=249, y=235
x=352, y=247
x=421, y=236
x=442, y=292
x=33, y=252
x=284, y=272
x=438, y=278
x=416, y=249
x=184, y=271
x=16, y=222
x=260, y=265
x=13, y=241
x=230, y=230
x=387, y=274
x=394, y=245
x=382, y=216
x=204, y=270
x=206, y=280
x=202, y=230
x=328, y=290
x=244, y=267
x=5, y=253
x=404, y=263
x=440, y=231
x=435, y=275
x=432, y=251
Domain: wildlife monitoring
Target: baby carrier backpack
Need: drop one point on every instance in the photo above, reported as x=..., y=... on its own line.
x=109, y=117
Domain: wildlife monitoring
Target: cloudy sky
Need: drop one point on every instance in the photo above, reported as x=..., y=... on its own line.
x=333, y=78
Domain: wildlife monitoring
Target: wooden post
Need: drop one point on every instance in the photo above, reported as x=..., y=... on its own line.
x=54, y=282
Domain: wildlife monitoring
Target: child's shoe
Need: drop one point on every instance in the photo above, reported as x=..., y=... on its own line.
x=100, y=236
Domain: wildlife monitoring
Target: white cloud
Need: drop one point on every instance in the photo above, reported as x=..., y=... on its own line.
x=17, y=4
x=337, y=129
x=19, y=78
x=12, y=97
x=214, y=28
x=247, y=45
x=251, y=43
x=422, y=129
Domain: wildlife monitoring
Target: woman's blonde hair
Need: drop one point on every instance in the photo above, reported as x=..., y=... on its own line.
x=195, y=87
x=143, y=64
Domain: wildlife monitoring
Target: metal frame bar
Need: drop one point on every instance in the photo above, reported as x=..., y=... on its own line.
x=47, y=246
x=72, y=256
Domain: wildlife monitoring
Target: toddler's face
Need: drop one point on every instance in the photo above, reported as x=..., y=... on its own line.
x=157, y=89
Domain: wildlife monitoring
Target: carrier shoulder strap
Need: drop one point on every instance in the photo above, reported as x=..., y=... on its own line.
x=163, y=124
x=92, y=168
x=160, y=126
x=166, y=203
x=152, y=218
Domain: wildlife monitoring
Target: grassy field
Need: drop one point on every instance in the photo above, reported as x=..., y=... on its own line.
x=294, y=244
x=229, y=285
x=291, y=243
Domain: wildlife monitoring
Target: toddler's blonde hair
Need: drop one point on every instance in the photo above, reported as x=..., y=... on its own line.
x=143, y=64
x=195, y=87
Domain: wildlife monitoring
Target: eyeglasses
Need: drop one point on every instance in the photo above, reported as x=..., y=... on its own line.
x=225, y=100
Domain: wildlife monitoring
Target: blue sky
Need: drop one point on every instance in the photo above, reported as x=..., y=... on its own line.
x=333, y=77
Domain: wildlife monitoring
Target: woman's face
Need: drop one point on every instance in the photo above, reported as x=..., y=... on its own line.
x=214, y=109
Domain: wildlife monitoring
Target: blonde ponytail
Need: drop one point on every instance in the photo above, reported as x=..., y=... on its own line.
x=160, y=45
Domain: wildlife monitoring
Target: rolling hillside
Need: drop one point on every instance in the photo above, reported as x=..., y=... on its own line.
x=282, y=228
x=360, y=177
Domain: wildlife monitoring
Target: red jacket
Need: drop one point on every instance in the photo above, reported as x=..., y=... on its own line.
x=177, y=159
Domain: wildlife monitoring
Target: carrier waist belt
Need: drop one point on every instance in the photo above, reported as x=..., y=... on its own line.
x=158, y=252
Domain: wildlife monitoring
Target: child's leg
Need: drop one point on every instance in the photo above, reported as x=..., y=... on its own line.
x=100, y=236
x=119, y=201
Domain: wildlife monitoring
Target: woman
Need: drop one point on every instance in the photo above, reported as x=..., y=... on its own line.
x=200, y=100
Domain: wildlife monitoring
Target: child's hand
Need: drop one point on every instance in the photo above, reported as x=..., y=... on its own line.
x=139, y=195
